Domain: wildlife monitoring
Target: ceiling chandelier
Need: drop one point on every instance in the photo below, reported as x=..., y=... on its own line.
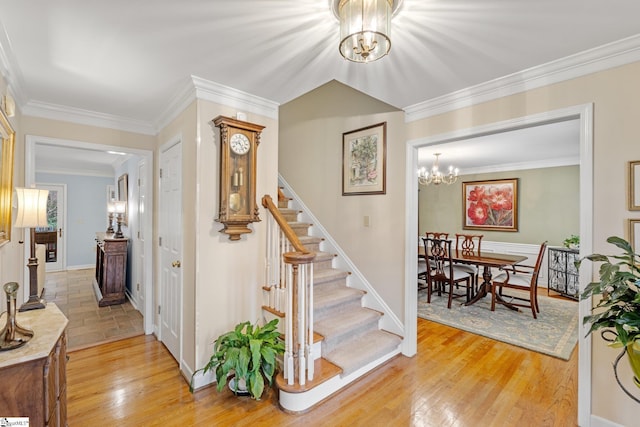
x=435, y=176
x=365, y=28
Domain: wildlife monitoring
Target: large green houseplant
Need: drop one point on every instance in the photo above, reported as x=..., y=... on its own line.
x=618, y=312
x=249, y=353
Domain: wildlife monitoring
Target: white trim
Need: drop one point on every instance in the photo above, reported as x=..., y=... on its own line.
x=83, y=172
x=80, y=267
x=585, y=114
x=601, y=58
x=548, y=163
x=601, y=422
x=389, y=322
x=214, y=92
x=86, y=117
x=196, y=88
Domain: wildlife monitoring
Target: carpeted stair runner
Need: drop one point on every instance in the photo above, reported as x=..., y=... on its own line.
x=352, y=338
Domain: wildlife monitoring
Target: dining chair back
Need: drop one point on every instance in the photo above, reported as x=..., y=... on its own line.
x=469, y=243
x=522, y=278
x=436, y=235
x=441, y=272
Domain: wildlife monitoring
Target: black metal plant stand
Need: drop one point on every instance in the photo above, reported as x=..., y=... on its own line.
x=615, y=364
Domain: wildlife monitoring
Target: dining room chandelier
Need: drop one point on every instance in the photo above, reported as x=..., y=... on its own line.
x=365, y=28
x=435, y=176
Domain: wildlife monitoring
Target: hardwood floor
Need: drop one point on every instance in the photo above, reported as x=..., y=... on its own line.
x=456, y=379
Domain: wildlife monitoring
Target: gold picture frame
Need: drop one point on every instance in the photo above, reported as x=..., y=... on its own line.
x=490, y=205
x=634, y=234
x=6, y=177
x=634, y=185
x=364, y=160
x=123, y=194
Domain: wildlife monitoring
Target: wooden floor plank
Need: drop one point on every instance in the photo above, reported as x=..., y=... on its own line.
x=456, y=379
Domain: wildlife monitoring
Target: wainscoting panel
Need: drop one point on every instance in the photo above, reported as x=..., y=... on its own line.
x=524, y=249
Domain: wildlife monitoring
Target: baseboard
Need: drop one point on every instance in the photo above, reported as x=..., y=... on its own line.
x=602, y=422
x=80, y=267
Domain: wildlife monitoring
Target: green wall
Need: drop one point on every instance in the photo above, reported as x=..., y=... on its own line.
x=548, y=206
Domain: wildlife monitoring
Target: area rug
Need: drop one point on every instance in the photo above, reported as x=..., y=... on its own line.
x=555, y=332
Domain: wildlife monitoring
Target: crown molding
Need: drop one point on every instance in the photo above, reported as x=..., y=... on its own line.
x=601, y=58
x=199, y=88
x=76, y=172
x=214, y=92
x=86, y=117
x=542, y=164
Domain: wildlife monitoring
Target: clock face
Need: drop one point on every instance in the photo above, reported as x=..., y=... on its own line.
x=239, y=143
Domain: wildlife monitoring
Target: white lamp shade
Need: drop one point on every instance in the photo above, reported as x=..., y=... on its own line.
x=120, y=206
x=31, y=209
x=111, y=206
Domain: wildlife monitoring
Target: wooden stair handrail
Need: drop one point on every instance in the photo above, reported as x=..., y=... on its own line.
x=267, y=203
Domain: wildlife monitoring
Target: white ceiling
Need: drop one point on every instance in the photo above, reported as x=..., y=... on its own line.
x=126, y=59
x=548, y=145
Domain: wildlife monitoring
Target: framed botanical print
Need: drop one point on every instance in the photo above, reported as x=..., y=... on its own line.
x=364, y=160
x=490, y=205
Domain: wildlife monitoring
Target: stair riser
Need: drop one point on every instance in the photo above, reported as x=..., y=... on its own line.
x=323, y=265
x=332, y=342
x=301, y=229
x=326, y=312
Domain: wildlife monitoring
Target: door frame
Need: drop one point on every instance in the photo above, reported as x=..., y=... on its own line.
x=176, y=140
x=583, y=113
x=147, y=220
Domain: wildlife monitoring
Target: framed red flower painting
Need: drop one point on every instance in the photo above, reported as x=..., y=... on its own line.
x=490, y=205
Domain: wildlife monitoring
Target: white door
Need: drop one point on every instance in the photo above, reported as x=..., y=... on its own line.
x=170, y=242
x=55, y=232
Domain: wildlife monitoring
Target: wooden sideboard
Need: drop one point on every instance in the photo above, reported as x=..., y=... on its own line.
x=111, y=269
x=34, y=376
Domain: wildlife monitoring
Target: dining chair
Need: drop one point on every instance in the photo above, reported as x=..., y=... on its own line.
x=522, y=278
x=469, y=243
x=441, y=271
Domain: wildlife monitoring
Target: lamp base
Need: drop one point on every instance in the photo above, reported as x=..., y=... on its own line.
x=34, y=303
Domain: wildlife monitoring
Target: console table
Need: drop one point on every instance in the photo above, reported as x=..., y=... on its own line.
x=34, y=376
x=111, y=269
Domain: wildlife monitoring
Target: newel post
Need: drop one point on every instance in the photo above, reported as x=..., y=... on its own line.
x=299, y=318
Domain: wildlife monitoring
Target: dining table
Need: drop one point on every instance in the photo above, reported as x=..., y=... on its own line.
x=487, y=260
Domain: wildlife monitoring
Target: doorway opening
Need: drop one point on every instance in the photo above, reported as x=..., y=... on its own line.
x=35, y=144
x=582, y=113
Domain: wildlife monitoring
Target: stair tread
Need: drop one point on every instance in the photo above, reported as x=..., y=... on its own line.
x=363, y=350
x=307, y=240
x=323, y=370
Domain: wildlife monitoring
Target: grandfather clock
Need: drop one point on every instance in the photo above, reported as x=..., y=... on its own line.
x=239, y=142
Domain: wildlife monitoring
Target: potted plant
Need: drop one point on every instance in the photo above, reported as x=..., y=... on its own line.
x=249, y=354
x=572, y=242
x=618, y=312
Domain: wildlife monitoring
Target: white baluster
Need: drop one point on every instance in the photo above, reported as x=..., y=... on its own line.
x=310, y=357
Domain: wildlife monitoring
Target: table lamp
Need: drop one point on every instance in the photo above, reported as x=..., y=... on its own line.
x=120, y=209
x=111, y=209
x=31, y=213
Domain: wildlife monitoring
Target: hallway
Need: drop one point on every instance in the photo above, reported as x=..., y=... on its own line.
x=89, y=325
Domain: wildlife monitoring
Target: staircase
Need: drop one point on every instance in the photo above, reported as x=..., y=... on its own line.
x=348, y=341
